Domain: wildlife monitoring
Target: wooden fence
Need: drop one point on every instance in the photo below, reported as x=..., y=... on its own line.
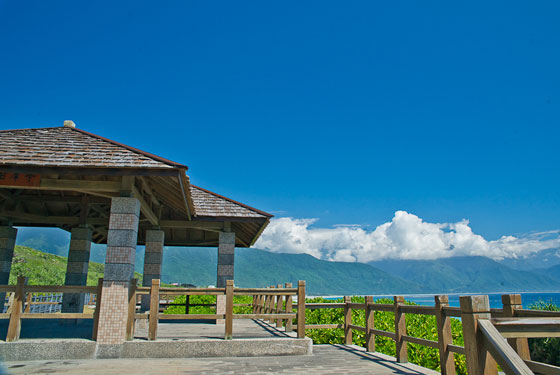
x=484, y=331
x=261, y=296
x=20, y=307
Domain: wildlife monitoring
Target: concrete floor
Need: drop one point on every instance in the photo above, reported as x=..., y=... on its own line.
x=242, y=329
x=327, y=359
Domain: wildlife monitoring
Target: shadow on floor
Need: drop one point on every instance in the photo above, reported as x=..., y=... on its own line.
x=51, y=328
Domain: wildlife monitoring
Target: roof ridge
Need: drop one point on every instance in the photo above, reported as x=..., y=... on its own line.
x=45, y=128
x=234, y=201
x=133, y=149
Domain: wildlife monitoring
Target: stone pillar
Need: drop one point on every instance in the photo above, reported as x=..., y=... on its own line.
x=76, y=269
x=119, y=270
x=153, y=258
x=7, y=242
x=226, y=248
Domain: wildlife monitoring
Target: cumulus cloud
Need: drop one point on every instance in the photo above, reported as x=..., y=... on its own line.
x=406, y=236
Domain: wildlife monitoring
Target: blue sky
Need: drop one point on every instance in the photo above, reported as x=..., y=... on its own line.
x=341, y=111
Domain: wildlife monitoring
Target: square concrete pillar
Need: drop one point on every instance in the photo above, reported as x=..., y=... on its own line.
x=76, y=269
x=153, y=258
x=119, y=270
x=226, y=250
x=7, y=242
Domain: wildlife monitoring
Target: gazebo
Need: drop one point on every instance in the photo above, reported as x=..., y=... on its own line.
x=109, y=193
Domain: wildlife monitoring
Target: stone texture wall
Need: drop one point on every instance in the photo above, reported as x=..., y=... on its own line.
x=119, y=270
x=76, y=269
x=226, y=249
x=7, y=242
x=153, y=258
x=226, y=257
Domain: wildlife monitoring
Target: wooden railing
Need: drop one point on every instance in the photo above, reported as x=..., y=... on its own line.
x=483, y=333
x=19, y=309
x=267, y=304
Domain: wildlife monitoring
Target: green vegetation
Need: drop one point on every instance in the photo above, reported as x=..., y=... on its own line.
x=47, y=269
x=422, y=326
x=545, y=350
x=208, y=309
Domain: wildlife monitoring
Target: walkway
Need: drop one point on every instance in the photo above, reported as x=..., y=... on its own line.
x=327, y=359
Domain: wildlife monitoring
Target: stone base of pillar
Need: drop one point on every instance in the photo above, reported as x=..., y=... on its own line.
x=220, y=308
x=113, y=313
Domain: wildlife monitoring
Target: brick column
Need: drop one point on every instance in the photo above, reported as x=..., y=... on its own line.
x=7, y=242
x=76, y=269
x=226, y=248
x=119, y=270
x=153, y=258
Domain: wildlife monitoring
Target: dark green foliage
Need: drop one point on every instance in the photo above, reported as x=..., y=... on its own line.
x=545, y=350
x=422, y=326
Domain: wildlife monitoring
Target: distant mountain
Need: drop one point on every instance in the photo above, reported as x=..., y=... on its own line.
x=253, y=268
x=542, y=259
x=467, y=274
x=261, y=268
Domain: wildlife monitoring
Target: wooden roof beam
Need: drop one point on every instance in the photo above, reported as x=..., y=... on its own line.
x=145, y=208
x=20, y=217
x=74, y=185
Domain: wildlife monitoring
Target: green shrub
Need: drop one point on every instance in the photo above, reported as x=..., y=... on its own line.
x=207, y=309
x=545, y=350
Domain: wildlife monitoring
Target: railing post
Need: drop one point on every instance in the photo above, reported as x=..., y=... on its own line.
x=301, y=310
x=154, y=309
x=511, y=303
x=14, y=327
x=96, y=312
x=443, y=322
x=271, y=305
x=479, y=360
x=400, y=330
x=131, y=310
x=289, y=309
x=279, y=303
x=370, y=324
x=28, y=301
x=187, y=303
x=229, y=310
x=347, y=321
x=254, y=304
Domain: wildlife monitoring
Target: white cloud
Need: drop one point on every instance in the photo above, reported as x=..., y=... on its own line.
x=406, y=236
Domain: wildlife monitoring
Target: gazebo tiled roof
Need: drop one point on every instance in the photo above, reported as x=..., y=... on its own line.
x=72, y=147
x=68, y=165
x=210, y=204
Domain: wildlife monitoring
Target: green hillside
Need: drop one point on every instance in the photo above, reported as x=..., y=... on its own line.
x=47, y=269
